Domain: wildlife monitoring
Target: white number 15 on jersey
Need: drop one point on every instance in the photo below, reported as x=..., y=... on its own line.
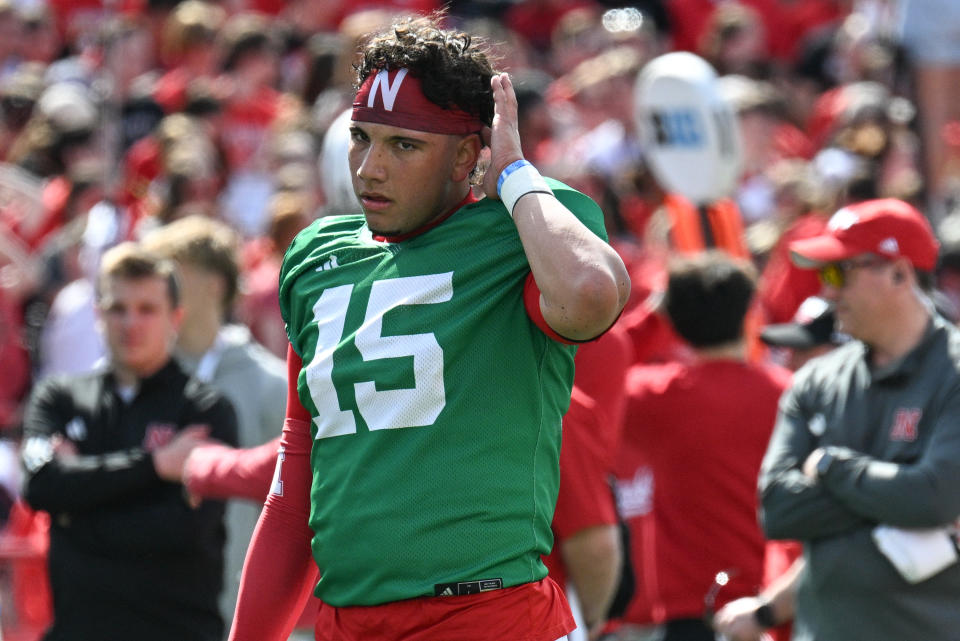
x=383, y=409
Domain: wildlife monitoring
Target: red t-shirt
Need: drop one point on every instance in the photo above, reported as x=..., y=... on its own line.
x=601, y=370
x=653, y=337
x=591, y=429
x=693, y=439
x=585, y=498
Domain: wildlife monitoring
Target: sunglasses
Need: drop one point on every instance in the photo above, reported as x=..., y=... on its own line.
x=835, y=274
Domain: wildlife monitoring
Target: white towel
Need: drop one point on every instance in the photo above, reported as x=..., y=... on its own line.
x=917, y=554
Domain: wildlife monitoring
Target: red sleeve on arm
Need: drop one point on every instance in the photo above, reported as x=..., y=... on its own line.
x=531, y=301
x=295, y=408
x=279, y=571
x=222, y=472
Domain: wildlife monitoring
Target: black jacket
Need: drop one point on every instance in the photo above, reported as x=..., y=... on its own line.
x=129, y=559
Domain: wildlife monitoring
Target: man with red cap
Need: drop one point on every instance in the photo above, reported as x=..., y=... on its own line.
x=864, y=462
x=430, y=364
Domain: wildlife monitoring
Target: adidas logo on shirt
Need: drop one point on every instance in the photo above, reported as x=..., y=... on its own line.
x=330, y=264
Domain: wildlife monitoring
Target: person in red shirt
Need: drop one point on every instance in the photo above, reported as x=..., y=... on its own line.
x=810, y=334
x=188, y=48
x=250, y=65
x=783, y=286
x=251, y=106
x=587, y=552
x=691, y=446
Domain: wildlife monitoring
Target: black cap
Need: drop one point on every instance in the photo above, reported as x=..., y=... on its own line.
x=812, y=326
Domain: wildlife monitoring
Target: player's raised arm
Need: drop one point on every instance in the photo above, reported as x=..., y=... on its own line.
x=582, y=281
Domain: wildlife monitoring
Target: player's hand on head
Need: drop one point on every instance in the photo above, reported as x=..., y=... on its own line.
x=503, y=137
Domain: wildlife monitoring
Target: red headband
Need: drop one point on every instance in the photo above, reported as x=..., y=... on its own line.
x=396, y=98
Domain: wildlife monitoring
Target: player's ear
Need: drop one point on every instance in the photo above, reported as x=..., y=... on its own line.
x=467, y=153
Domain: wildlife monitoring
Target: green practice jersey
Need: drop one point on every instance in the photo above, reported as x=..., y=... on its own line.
x=436, y=403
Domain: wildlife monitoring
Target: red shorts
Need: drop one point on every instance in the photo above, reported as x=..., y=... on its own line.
x=529, y=612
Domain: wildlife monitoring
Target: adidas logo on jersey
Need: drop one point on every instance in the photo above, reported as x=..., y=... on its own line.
x=467, y=587
x=330, y=264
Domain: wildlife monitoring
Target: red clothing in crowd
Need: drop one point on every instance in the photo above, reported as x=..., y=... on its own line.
x=245, y=126
x=601, y=370
x=689, y=20
x=170, y=90
x=801, y=18
x=142, y=163
x=693, y=439
x=24, y=544
x=77, y=16
x=783, y=285
x=591, y=430
x=32, y=223
x=826, y=115
x=16, y=365
x=536, y=21
x=786, y=22
x=779, y=557
x=585, y=498
x=653, y=337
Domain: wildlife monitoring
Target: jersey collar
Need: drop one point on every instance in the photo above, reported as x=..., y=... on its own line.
x=470, y=198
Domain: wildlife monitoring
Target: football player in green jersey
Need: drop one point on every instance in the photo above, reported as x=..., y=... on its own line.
x=431, y=362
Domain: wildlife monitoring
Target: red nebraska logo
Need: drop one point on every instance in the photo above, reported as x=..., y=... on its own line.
x=905, y=423
x=158, y=435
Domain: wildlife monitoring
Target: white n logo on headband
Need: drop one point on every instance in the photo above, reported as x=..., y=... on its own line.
x=382, y=80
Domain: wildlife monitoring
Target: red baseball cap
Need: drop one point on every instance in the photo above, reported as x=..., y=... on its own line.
x=887, y=227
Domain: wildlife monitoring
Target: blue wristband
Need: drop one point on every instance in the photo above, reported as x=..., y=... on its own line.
x=509, y=169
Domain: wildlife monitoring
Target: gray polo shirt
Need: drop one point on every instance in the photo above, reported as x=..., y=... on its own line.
x=895, y=436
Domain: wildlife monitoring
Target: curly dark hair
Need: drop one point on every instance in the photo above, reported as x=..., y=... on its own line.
x=453, y=67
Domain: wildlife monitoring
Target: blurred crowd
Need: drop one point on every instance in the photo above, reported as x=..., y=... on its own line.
x=119, y=117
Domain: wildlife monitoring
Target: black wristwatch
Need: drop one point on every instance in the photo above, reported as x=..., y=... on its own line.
x=823, y=465
x=763, y=615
